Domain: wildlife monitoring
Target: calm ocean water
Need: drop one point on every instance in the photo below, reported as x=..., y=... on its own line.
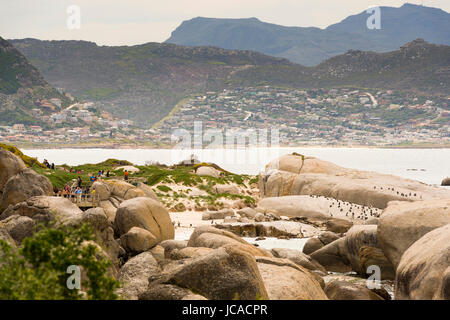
x=426, y=165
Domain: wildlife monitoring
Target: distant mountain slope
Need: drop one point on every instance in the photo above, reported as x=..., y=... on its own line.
x=15, y=71
x=140, y=82
x=310, y=46
x=418, y=66
x=144, y=82
x=21, y=86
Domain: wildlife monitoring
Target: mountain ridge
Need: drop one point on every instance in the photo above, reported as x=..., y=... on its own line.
x=311, y=45
x=144, y=82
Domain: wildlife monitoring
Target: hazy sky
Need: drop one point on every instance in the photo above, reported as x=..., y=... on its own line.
x=128, y=22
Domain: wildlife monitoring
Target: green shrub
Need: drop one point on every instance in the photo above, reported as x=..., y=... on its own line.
x=38, y=270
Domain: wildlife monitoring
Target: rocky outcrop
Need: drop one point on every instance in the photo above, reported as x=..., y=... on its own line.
x=445, y=182
x=221, y=214
x=295, y=206
x=424, y=271
x=355, y=252
x=315, y=243
x=138, y=240
x=207, y=171
x=247, y=212
x=401, y=224
x=285, y=280
x=43, y=209
x=102, y=190
x=135, y=273
x=5, y=236
x=226, y=188
x=298, y=258
x=343, y=290
x=10, y=165
x=19, y=227
x=210, y=237
x=296, y=175
x=290, y=229
x=24, y=185
x=147, y=214
x=224, y=274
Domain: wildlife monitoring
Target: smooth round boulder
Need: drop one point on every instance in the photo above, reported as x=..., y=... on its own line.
x=312, y=245
x=343, y=290
x=207, y=171
x=24, y=185
x=134, y=275
x=446, y=182
x=298, y=258
x=226, y=188
x=138, y=240
x=102, y=190
x=223, y=274
x=285, y=280
x=144, y=213
x=401, y=224
x=297, y=163
x=19, y=227
x=10, y=165
x=424, y=269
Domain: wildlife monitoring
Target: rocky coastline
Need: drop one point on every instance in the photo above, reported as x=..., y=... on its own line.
x=176, y=233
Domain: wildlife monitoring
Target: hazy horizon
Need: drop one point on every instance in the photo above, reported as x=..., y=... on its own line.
x=135, y=22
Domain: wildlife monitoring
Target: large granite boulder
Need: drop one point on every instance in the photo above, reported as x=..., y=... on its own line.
x=210, y=237
x=445, y=182
x=226, y=188
x=44, y=209
x=343, y=290
x=401, y=224
x=146, y=214
x=285, y=280
x=298, y=258
x=102, y=190
x=134, y=275
x=223, y=274
x=424, y=269
x=24, y=185
x=5, y=236
x=355, y=252
x=10, y=165
x=207, y=171
x=19, y=227
x=296, y=163
x=326, y=179
x=138, y=240
x=295, y=206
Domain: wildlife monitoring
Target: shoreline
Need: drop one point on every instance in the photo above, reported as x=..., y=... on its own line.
x=141, y=147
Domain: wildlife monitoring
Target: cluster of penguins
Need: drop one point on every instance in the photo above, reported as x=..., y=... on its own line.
x=350, y=208
x=402, y=194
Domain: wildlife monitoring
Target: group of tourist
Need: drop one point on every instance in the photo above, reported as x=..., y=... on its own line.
x=48, y=165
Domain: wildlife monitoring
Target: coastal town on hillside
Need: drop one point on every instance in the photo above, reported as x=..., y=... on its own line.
x=340, y=116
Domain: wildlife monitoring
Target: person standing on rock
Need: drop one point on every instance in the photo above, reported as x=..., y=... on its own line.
x=125, y=175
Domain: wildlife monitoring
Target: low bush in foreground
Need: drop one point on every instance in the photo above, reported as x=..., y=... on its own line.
x=39, y=268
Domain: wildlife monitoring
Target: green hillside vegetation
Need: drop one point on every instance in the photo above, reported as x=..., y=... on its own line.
x=145, y=82
x=21, y=85
x=29, y=161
